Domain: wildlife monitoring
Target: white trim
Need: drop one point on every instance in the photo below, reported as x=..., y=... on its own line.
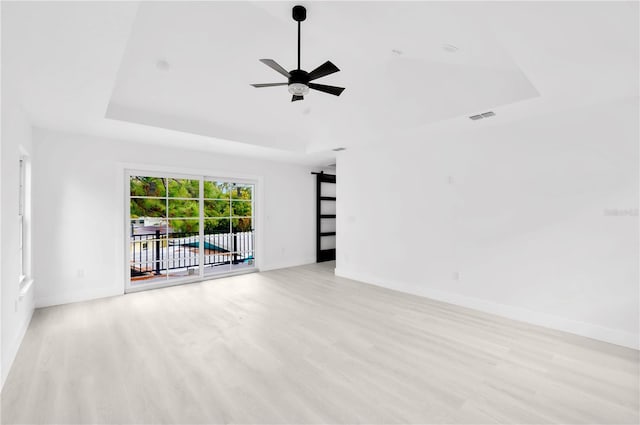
x=201, y=228
x=613, y=336
x=177, y=282
x=25, y=286
x=287, y=264
x=159, y=170
x=25, y=215
x=13, y=347
x=77, y=296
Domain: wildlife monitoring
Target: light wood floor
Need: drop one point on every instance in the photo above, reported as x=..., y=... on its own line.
x=302, y=346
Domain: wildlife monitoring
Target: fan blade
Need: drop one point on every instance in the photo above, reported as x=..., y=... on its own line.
x=275, y=66
x=269, y=85
x=336, y=91
x=294, y=98
x=324, y=69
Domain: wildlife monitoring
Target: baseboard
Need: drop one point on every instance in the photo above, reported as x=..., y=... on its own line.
x=287, y=264
x=613, y=336
x=14, y=346
x=92, y=294
x=75, y=297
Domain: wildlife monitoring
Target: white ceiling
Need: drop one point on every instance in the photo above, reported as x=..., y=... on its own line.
x=213, y=50
x=91, y=68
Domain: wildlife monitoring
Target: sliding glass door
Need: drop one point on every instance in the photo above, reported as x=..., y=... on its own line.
x=228, y=226
x=186, y=228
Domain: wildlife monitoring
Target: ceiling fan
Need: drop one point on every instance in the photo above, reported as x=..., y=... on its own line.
x=299, y=80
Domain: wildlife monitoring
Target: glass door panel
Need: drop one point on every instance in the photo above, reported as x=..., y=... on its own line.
x=147, y=228
x=183, y=248
x=228, y=210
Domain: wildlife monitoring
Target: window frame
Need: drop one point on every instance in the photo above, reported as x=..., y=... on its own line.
x=161, y=172
x=25, y=279
x=21, y=214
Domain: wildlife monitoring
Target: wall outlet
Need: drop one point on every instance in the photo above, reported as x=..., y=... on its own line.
x=80, y=273
x=456, y=275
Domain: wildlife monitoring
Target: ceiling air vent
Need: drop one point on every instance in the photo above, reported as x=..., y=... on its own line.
x=482, y=115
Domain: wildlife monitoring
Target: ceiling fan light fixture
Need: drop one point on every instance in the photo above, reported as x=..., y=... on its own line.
x=298, y=89
x=299, y=81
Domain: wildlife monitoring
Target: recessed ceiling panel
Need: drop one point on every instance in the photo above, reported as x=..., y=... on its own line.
x=188, y=66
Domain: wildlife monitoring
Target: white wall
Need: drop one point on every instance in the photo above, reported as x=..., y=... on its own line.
x=1, y=138
x=17, y=308
x=79, y=217
x=524, y=214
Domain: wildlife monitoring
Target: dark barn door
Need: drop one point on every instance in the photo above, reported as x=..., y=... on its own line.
x=325, y=217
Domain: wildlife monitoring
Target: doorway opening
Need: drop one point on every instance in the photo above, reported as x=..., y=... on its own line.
x=325, y=217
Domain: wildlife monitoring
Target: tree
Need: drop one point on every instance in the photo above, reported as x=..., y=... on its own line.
x=177, y=200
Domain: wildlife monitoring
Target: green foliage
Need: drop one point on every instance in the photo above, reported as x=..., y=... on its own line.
x=185, y=226
x=217, y=190
x=148, y=207
x=216, y=208
x=216, y=226
x=152, y=197
x=179, y=208
x=183, y=188
x=147, y=186
x=241, y=208
x=242, y=225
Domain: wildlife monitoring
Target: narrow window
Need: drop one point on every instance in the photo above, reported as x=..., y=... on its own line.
x=21, y=219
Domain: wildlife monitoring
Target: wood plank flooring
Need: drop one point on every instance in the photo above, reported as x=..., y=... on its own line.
x=300, y=345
